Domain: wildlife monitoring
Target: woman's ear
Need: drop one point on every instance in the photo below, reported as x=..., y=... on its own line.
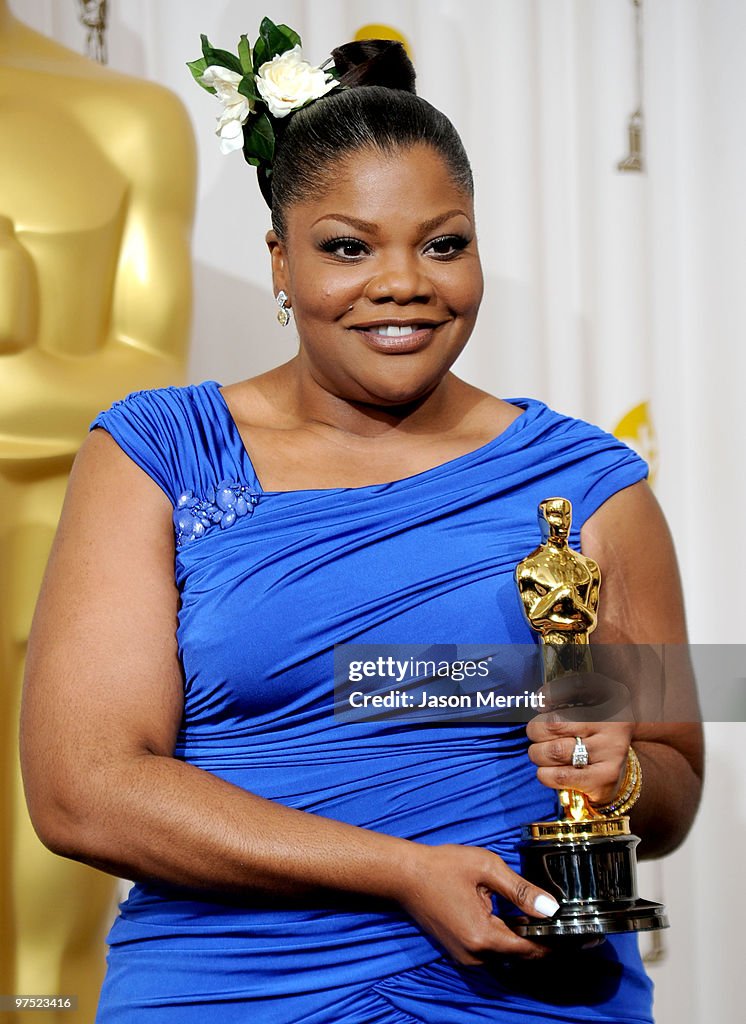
x=277, y=255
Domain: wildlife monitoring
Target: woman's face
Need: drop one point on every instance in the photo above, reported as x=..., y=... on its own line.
x=383, y=276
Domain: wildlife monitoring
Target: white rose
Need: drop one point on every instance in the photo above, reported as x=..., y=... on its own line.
x=236, y=107
x=288, y=81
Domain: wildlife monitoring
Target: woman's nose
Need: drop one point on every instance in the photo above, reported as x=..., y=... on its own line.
x=399, y=278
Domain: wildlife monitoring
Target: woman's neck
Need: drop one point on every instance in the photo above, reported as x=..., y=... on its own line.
x=306, y=401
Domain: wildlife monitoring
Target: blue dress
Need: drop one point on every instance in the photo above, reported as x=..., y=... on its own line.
x=270, y=582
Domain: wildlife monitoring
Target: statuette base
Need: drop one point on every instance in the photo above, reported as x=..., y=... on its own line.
x=609, y=919
x=591, y=870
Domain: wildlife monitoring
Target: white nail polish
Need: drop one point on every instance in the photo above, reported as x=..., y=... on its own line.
x=546, y=905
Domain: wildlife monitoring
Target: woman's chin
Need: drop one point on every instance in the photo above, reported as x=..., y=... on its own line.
x=398, y=393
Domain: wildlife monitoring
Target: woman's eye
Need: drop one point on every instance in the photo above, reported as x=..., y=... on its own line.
x=448, y=245
x=347, y=248
x=352, y=248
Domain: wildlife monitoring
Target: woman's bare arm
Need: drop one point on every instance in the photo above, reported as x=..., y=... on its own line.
x=102, y=705
x=644, y=604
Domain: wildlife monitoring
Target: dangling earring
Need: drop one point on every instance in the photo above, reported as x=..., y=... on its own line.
x=283, y=314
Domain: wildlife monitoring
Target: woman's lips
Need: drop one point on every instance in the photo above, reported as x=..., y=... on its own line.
x=400, y=344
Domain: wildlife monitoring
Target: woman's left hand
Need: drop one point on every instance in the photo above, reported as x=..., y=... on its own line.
x=553, y=738
x=641, y=612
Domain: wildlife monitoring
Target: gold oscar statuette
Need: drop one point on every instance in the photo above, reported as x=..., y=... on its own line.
x=97, y=187
x=584, y=857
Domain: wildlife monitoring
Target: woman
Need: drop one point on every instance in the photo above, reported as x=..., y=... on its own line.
x=177, y=722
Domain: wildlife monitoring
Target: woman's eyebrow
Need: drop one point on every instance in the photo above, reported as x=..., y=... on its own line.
x=364, y=225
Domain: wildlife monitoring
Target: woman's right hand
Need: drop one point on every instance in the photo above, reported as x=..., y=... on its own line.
x=448, y=891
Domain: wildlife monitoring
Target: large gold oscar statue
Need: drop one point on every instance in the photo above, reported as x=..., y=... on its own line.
x=559, y=588
x=97, y=183
x=586, y=857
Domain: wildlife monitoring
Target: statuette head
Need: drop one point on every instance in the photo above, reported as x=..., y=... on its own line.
x=555, y=519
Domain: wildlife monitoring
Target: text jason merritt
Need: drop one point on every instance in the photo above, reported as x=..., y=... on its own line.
x=486, y=699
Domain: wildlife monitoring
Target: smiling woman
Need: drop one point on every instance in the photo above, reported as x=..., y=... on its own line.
x=404, y=267
x=178, y=720
x=382, y=315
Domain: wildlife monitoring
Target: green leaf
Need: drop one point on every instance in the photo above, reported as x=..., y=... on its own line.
x=197, y=67
x=279, y=37
x=247, y=88
x=244, y=55
x=222, y=58
x=273, y=39
x=225, y=60
x=261, y=53
x=259, y=139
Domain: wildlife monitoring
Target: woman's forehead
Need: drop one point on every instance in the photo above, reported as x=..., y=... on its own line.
x=376, y=186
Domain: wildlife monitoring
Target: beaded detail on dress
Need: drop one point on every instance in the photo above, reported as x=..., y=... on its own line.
x=221, y=506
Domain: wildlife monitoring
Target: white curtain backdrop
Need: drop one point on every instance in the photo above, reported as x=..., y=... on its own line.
x=613, y=296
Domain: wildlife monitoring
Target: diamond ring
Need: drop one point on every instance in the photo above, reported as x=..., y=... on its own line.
x=579, y=754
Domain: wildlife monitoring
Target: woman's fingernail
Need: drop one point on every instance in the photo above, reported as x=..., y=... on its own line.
x=546, y=905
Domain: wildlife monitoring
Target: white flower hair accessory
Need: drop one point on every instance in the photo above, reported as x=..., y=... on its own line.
x=288, y=82
x=259, y=87
x=236, y=108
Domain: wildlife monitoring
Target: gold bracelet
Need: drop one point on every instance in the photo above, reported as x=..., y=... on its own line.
x=629, y=791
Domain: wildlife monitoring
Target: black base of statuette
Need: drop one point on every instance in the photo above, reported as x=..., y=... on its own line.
x=590, y=869
x=639, y=916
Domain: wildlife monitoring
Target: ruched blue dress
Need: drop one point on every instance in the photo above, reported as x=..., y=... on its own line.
x=270, y=582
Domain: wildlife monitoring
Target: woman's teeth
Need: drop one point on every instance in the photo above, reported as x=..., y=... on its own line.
x=393, y=331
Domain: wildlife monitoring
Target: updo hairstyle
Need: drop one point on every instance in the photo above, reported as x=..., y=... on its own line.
x=379, y=110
